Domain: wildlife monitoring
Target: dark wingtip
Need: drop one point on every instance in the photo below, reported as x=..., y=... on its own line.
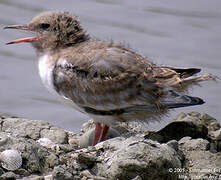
x=187, y=72
x=196, y=70
x=188, y=101
x=196, y=100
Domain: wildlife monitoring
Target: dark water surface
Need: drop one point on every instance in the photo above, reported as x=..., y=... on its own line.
x=178, y=33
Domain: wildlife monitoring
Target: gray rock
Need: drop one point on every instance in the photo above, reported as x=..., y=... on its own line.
x=1, y=171
x=61, y=173
x=55, y=134
x=189, y=144
x=216, y=135
x=34, y=177
x=185, y=124
x=210, y=122
x=9, y=175
x=154, y=136
x=177, y=151
x=173, y=144
x=136, y=157
x=24, y=127
x=200, y=163
x=87, y=158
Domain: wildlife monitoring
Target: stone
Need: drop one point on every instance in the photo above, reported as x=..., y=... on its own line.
x=210, y=122
x=24, y=127
x=87, y=158
x=60, y=173
x=199, y=162
x=173, y=144
x=34, y=177
x=154, y=136
x=56, y=135
x=215, y=135
x=136, y=156
x=170, y=153
x=185, y=124
x=190, y=144
x=8, y=175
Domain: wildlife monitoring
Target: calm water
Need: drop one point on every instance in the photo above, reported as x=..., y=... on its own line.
x=185, y=34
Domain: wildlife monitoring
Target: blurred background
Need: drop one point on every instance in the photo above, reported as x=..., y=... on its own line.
x=171, y=32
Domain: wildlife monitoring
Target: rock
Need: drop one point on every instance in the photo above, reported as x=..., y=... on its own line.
x=215, y=137
x=48, y=177
x=34, y=177
x=24, y=127
x=87, y=175
x=46, y=142
x=87, y=158
x=200, y=163
x=137, y=157
x=210, y=122
x=8, y=175
x=186, y=148
x=55, y=134
x=189, y=144
x=3, y=139
x=154, y=136
x=61, y=173
x=185, y=124
x=173, y=144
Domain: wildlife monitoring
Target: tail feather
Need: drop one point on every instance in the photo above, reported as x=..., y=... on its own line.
x=180, y=78
x=183, y=84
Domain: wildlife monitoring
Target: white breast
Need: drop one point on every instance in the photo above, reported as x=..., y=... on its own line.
x=45, y=71
x=46, y=67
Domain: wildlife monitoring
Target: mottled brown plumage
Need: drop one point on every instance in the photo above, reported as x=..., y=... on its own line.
x=109, y=82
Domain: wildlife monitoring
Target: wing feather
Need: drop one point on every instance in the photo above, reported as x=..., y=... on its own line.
x=107, y=79
x=106, y=76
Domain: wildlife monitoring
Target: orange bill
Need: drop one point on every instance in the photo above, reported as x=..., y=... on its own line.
x=21, y=27
x=28, y=39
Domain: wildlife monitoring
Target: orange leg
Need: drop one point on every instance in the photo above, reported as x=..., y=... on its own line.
x=97, y=133
x=104, y=132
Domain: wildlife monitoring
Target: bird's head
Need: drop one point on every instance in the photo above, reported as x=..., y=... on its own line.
x=53, y=29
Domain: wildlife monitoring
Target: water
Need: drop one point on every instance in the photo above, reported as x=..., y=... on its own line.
x=178, y=33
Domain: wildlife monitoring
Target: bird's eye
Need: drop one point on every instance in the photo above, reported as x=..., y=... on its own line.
x=44, y=26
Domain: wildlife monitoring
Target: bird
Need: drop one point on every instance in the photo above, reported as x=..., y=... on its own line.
x=106, y=80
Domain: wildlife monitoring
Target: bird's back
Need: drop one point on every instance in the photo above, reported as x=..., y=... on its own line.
x=108, y=79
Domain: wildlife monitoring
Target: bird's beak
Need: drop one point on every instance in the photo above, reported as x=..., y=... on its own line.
x=21, y=27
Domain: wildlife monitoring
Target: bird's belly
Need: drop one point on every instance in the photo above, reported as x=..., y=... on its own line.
x=46, y=73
